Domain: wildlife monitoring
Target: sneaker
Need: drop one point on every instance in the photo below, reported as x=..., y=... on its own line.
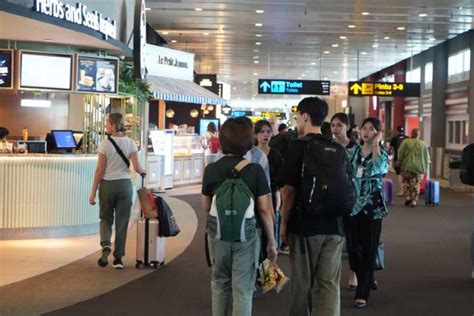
x=103, y=260
x=118, y=264
x=284, y=250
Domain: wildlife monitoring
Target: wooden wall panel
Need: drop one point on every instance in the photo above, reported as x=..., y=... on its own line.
x=39, y=121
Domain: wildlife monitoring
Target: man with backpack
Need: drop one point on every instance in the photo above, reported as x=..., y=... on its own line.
x=395, y=144
x=317, y=192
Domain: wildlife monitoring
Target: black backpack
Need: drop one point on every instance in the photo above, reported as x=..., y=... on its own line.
x=327, y=187
x=467, y=167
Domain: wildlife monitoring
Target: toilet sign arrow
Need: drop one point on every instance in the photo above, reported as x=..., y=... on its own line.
x=265, y=86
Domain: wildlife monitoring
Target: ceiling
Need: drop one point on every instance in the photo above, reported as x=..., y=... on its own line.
x=335, y=40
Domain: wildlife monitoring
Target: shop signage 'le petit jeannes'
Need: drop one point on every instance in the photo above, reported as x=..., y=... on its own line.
x=78, y=14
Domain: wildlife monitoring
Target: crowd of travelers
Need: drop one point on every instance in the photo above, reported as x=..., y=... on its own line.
x=309, y=191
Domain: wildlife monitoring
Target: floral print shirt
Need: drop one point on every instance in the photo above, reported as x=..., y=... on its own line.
x=368, y=180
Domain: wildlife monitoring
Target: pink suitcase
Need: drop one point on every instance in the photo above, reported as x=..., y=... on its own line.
x=150, y=247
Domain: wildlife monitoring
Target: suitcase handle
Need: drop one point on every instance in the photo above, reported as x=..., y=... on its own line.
x=143, y=175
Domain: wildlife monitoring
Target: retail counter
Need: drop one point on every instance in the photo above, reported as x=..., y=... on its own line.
x=46, y=196
x=188, y=160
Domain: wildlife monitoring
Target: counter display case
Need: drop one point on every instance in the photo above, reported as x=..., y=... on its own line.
x=188, y=159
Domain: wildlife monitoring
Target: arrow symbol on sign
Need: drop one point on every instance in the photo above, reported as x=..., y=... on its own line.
x=265, y=86
x=356, y=88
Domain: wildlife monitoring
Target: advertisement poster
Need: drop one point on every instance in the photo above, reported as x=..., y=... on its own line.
x=6, y=69
x=97, y=75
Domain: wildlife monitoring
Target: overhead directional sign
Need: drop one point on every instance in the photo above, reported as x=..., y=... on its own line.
x=382, y=89
x=283, y=86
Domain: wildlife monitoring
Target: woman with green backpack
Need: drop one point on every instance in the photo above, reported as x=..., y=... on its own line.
x=234, y=192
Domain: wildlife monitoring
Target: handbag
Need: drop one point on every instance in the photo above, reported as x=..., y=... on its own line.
x=167, y=225
x=380, y=257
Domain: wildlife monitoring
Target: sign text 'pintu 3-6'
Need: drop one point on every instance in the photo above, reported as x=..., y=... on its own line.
x=393, y=89
x=282, y=86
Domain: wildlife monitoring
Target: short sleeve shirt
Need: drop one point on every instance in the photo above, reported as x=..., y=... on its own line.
x=115, y=167
x=217, y=172
x=308, y=224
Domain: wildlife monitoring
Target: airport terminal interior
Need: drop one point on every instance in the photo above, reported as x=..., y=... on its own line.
x=162, y=78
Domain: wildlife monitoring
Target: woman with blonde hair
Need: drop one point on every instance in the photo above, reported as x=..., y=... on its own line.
x=112, y=179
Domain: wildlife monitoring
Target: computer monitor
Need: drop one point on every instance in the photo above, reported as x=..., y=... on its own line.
x=204, y=122
x=64, y=139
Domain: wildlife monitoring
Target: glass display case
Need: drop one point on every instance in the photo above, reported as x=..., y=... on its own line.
x=187, y=145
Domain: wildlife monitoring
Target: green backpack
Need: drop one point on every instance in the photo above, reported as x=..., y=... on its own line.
x=232, y=205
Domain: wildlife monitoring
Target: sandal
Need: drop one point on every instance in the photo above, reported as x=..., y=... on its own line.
x=360, y=303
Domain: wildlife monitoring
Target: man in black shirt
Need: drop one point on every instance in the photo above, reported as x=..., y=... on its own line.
x=395, y=143
x=322, y=234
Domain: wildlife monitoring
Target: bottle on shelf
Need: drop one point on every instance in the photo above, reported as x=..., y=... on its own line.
x=24, y=134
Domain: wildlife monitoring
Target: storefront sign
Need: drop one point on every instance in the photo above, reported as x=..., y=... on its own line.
x=169, y=63
x=6, y=69
x=78, y=14
x=282, y=86
x=96, y=74
x=393, y=89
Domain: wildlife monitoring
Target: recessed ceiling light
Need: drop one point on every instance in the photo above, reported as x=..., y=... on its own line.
x=258, y=24
x=432, y=39
x=422, y=15
x=198, y=9
x=335, y=45
x=387, y=37
x=345, y=64
x=327, y=52
x=258, y=43
x=164, y=33
x=147, y=9
x=375, y=45
x=343, y=37
x=401, y=28
x=303, y=75
x=174, y=41
x=336, y=72
x=255, y=73
x=256, y=57
x=299, y=78
x=255, y=61
x=256, y=50
x=205, y=34
x=365, y=13
x=313, y=63
x=48, y=40
x=259, y=11
x=325, y=78
x=363, y=53
x=351, y=26
x=258, y=35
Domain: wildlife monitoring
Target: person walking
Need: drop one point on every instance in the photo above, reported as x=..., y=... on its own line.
x=395, y=144
x=340, y=126
x=234, y=263
x=414, y=160
x=263, y=133
x=370, y=163
x=315, y=240
x=112, y=179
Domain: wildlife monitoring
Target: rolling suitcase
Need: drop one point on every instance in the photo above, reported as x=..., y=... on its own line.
x=387, y=191
x=432, y=193
x=150, y=247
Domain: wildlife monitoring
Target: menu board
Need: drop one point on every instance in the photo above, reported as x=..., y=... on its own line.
x=97, y=74
x=45, y=71
x=6, y=70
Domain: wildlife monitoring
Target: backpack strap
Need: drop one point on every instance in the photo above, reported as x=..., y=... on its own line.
x=119, y=151
x=241, y=165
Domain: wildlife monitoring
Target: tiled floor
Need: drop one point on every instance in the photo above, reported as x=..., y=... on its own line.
x=23, y=259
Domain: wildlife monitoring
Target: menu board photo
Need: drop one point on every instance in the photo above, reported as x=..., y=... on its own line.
x=6, y=69
x=45, y=71
x=97, y=74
